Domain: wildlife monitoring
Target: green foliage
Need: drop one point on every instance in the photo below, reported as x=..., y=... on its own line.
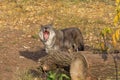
x=106, y=31
x=64, y=76
x=53, y=76
x=110, y=38
x=105, y=36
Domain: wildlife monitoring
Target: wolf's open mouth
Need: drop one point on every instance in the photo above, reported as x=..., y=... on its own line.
x=46, y=35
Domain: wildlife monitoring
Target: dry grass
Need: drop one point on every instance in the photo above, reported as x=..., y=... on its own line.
x=89, y=15
x=28, y=75
x=27, y=15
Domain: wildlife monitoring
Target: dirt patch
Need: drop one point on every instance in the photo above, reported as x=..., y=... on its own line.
x=15, y=53
x=19, y=53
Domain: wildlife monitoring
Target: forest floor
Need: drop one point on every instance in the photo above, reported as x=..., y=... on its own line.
x=20, y=21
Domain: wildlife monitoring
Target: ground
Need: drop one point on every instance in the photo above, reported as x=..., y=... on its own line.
x=20, y=47
x=20, y=53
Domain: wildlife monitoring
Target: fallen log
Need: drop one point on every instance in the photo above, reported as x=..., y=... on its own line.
x=76, y=61
x=92, y=64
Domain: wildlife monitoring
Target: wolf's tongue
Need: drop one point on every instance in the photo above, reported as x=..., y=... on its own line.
x=46, y=35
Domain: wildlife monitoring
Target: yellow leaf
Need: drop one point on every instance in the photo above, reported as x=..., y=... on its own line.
x=102, y=45
x=116, y=19
x=117, y=1
x=114, y=43
x=114, y=40
x=117, y=35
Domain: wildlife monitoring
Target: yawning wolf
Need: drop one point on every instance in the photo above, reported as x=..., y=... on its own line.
x=64, y=39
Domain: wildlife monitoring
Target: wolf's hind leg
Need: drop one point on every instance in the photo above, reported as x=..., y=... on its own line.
x=81, y=48
x=75, y=48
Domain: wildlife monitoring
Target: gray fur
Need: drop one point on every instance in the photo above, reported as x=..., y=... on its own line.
x=55, y=40
x=65, y=39
x=73, y=39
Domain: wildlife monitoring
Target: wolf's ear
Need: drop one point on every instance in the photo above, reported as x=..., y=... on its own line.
x=51, y=24
x=41, y=26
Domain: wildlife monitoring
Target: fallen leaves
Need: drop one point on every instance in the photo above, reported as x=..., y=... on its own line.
x=28, y=15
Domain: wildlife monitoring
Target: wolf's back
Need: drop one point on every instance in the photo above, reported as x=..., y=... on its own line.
x=74, y=37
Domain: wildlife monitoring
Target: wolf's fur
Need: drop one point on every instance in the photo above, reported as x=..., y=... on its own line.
x=55, y=40
x=69, y=38
x=73, y=39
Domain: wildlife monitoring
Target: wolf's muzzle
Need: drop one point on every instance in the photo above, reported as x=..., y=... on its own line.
x=46, y=35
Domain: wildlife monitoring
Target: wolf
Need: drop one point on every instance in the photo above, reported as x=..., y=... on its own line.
x=64, y=39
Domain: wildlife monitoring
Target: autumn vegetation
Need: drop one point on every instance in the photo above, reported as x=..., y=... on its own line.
x=97, y=19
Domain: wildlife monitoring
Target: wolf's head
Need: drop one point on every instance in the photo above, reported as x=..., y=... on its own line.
x=47, y=32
